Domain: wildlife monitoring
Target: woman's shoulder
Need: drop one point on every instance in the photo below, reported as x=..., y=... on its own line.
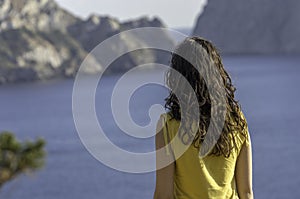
x=167, y=117
x=170, y=123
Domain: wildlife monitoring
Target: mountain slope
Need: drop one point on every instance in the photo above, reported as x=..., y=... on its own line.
x=251, y=26
x=40, y=40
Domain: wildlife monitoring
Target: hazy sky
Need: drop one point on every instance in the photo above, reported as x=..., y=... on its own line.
x=175, y=13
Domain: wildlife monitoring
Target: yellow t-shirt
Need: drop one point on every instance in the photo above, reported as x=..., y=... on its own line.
x=201, y=178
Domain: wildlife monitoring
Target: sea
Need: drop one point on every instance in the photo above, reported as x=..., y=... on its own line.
x=268, y=90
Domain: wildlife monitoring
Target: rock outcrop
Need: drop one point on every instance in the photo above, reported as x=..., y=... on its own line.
x=96, y=29
x=29, y=55
x=40, y=40
x=43, y=15
x=251, y=26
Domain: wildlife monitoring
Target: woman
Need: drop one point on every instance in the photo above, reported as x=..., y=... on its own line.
x=226, y=170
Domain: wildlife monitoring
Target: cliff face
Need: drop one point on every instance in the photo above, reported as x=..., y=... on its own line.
x=96, y=29
x=39, y=40
x=44, y=15
x=28, y=55
x=251, y=26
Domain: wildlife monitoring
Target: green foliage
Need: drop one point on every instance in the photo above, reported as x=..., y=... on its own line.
x=18, y=157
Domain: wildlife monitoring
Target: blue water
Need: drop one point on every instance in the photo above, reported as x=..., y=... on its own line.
x=267, y=88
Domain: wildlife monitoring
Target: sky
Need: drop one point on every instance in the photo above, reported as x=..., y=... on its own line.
x=174, y=13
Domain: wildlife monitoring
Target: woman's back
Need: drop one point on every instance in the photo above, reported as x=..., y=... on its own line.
x=200, y=178
x=205, y=116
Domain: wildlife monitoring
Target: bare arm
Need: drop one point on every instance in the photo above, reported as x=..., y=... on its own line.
x=243, y=172
x=164, y=176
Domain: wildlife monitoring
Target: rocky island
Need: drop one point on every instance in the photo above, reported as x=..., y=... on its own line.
x=40, y=40
x=251, y=27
